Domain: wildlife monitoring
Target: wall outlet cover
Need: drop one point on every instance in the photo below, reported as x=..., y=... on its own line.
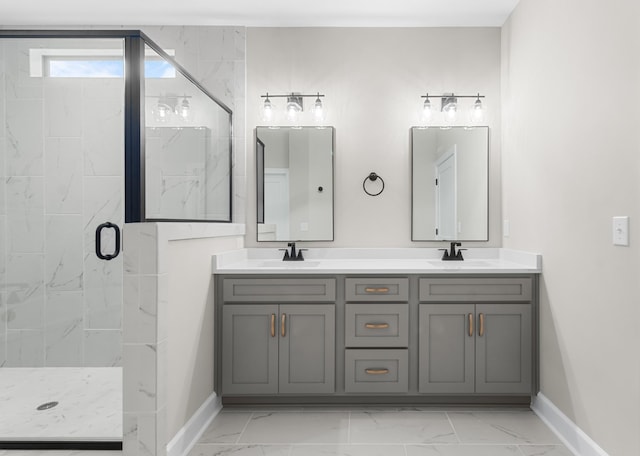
x=621, y=230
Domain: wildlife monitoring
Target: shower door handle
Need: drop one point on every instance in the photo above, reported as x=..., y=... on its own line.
x=116, y=250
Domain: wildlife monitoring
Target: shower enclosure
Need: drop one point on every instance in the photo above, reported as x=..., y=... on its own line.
x=97, y=128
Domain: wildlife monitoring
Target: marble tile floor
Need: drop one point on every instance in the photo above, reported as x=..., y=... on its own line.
x=378, y=432
x=89, y=404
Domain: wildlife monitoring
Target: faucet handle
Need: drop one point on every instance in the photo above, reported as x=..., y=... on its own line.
x=300, y=257
x=286, y=254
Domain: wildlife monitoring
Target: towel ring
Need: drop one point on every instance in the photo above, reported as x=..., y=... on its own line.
x=372, y=177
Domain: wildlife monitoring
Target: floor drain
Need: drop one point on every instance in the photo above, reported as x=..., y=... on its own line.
x=47, y=405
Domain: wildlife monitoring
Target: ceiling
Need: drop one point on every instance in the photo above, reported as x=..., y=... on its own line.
x=266, y=13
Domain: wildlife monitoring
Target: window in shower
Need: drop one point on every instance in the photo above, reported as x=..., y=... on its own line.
x=92, y=63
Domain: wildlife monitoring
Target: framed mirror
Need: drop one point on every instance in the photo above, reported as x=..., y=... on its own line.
x=450, y=184
x=294, y=181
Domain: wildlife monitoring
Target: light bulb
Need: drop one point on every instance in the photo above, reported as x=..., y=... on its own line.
x=293, y=109
x=450, y=111
x=427, y=112
x=185, y=109
x=162, y=112
x=267, y=110
x=318, y=110
x=292, y=114
x=477, y=111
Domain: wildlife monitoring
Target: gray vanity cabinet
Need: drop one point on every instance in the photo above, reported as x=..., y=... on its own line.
x=271, y=349
x=483, y=348
x=410, y=339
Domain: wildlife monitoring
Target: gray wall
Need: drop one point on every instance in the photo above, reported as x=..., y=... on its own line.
x=568, y=169
x=191, y=329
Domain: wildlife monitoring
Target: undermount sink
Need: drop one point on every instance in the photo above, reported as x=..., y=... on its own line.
x=289, y=264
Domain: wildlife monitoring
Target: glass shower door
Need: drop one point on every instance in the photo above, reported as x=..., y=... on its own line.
x=61, y=177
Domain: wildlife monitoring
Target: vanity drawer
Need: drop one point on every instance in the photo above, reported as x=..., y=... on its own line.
x=376, y=325
x=494, y=289
x=376, y=371
x=377, y=289
x=279, y=290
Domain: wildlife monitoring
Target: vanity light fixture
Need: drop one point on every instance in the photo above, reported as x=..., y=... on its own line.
x=449, y=106
x=294, y=107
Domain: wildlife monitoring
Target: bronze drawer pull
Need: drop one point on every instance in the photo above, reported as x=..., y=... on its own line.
x=481, y=331
x=376, y=325
x=273, y=325
x=377, y=371
x=377, y=290
x=470, y=325
x=283, y=325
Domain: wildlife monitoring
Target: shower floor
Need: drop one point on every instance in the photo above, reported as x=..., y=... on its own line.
x=89, y=404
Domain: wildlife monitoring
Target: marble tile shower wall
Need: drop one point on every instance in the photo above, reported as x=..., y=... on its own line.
x=175, y=172
x=61, y=166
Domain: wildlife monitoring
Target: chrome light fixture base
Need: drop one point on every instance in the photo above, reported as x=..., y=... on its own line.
x=449, y=106
x=294, y=106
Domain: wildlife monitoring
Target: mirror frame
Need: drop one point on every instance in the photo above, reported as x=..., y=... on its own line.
x=260, y=178
x=411, y=130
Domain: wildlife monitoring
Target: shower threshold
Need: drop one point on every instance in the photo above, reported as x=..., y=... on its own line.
x=61, y=408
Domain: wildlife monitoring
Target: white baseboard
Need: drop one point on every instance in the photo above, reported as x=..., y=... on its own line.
x=186, y=438
x=571, y=435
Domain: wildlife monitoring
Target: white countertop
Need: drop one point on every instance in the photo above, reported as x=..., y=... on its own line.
x=376, y=261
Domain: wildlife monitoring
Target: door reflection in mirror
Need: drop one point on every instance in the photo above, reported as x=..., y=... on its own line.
x=450, y=183
x=294, y=183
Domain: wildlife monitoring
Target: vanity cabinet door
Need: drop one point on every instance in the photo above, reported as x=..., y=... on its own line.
x=475, y=348
x=503, y=348
x=307, y=348
x=447, y=348
x=250, y=349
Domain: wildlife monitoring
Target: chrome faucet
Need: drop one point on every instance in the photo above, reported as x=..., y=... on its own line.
x=452, y=255
x=292, y=255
